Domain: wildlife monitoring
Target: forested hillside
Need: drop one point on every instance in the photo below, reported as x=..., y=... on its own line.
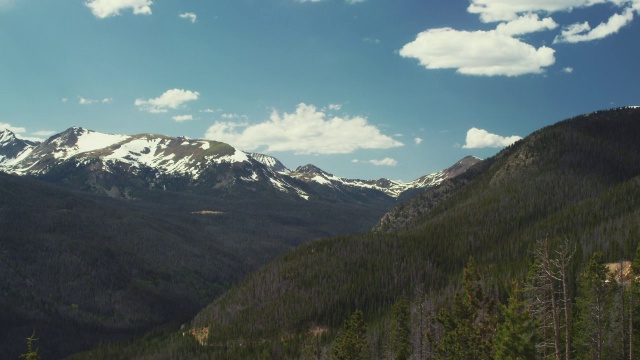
x=568, y=191
x=81, y=269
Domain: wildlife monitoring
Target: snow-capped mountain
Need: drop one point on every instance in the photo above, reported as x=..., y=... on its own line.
x=115, y=164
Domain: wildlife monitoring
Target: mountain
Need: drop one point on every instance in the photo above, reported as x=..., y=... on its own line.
x=107, y=236
x=578, y=180
x=122, y=165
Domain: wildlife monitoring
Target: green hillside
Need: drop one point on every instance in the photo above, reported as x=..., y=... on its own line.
x=578, y=180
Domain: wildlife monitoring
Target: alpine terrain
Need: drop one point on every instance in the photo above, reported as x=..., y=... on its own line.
x=106, y=236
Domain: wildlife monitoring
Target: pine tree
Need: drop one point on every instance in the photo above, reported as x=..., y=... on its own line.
x=32, y=354
x=469, y=328
x=400, y=334
x=515, y=336
x=594, y=301
x=351, y=344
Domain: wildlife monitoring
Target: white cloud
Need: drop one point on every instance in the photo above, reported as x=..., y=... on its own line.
x=306, y=131
x=171, y=99
x=209, y=110
x=107, y=8
x=383, y=162
x=501, y=10
x=488, y=53
x=499, y=51
x=46, y=133
x=478, y=138
x=335, y=107
x=189, y=16
x=418, y=141
x=181, y=118
x=232, y=116
x=351, y=2
x=580, y=32
x=20, y=132
x=83, y=101
x=64, y=100
x=14, y=129
x=526, y=24
x=567, y=70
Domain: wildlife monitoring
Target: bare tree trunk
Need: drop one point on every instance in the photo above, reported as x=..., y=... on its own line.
x=565, y=256
x=555, y=310
x=623, y=310
x=631, y=285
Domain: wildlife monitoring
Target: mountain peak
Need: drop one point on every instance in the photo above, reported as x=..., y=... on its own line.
x=6, y=135
x=270, y=162
x=311, y=170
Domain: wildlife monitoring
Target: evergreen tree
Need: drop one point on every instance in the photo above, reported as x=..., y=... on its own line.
x=351, y=344
x=400, y=334
x=515, y=337
x=594, y=305
x=469, y=328
x=32, y=354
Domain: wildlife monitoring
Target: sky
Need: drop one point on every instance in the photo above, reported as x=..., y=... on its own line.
x=360, y=88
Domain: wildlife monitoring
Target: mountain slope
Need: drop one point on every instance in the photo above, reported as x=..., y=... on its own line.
x=183, y=220
x=578, y=179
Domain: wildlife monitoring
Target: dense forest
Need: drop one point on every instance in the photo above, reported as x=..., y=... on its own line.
x=513, y=260
x=82, y=268
x=518, y=260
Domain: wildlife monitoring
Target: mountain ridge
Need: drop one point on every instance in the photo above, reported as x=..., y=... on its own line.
x=163, y=161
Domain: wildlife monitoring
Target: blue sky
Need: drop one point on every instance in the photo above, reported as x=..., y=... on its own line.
x=361, y=88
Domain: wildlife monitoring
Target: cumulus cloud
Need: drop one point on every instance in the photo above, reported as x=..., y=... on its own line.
x=500, y=51
x=526, y=24
x=189, y=16
x=305, y=131
x=567, y=70
x=181, y=118
x=171, y=99
x=418, y=141
x=479, y=138
x=107, y=8
x=486, y=53
x=581, y=32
